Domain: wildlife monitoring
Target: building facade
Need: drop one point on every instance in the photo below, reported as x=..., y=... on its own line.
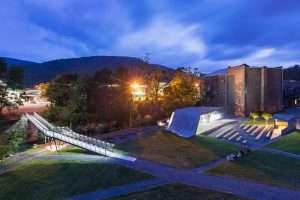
x=243, y=89
x=291, y=93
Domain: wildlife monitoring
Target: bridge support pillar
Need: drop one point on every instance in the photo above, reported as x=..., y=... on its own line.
x=32, y=133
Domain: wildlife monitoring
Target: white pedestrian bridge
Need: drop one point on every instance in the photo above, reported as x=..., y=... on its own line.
x=68, y=136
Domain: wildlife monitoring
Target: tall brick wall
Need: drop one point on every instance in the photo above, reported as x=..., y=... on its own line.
x=236, y=91
x=253, y=93
x=247, y=89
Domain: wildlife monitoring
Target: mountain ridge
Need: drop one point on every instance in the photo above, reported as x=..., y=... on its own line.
x=46, y=71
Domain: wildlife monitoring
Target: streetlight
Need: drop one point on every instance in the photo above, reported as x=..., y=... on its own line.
x=134, y=87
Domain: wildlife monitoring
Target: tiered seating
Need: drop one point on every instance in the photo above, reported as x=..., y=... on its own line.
x=259, y=128
x=251, y=128
x=269, y=134
x=246, y=127
x=234, y=136
x=224, y=132
x=263, y=132
x=229, y=134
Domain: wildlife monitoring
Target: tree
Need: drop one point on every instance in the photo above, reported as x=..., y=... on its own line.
x=254, y=115
x=155, y=79
x=267, y=116
x=68, y=97
x=10, y=78
x=100, y=93
x=182, y=91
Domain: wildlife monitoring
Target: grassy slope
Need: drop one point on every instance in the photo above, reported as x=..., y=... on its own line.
x=167, y=148
x=8, y=161
x=177, y=192
x=58, y=179
x=70, y=149
x=262, y=167
x=290, y=143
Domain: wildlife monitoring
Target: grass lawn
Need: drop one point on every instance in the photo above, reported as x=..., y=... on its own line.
x=262, y=167
x=289, y=143
x=167, y=148
x=8, y=161
x=70, y=149
x=59, y=179
x=177, y=192
x=257, y=122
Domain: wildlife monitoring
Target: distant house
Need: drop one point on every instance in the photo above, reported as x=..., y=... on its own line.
x=244, y=89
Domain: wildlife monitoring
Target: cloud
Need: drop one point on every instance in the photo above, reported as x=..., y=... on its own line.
x=262, y=53
x=163, y=38
x=207, y=34
x=164, y=34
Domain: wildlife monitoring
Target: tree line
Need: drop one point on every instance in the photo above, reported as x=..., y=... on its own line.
x=105, y=99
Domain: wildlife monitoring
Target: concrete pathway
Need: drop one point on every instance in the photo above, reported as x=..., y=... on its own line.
x=283, y=153
x=121, y=190
x=241, y=188
x=210, y=165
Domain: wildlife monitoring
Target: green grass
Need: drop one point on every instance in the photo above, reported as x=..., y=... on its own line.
x=177, y=192
x=289, y=143
x=169, y=149
x=70, y=149
x=59, y=179
x=257, y=122
x=8, y=161
x=262, y=167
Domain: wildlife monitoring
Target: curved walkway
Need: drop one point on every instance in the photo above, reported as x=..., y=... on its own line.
x=283, y=153
x=120, y=190
x=191, y=177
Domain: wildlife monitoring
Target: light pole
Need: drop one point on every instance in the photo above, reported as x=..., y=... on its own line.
x=134, y=87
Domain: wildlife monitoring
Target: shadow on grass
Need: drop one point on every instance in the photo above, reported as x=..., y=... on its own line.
x=177, y=192
x=59, y=179
x=262, y=167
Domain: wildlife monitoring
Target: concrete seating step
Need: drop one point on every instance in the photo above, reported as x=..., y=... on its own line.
x=230, y=133
x=234, y=136
x=247, y=126
x=259, y=128
x=224, y=132
x=239, y=138
x=269, y=134
x=262, y=133
x=251, y=128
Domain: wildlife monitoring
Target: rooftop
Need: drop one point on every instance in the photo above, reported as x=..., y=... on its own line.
x=284, y=117
x=200, y=110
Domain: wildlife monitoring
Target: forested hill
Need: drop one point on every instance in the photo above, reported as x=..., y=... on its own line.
x=18, y=62
x=47, y=71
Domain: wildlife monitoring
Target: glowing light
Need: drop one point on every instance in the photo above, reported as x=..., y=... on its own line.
x=135, y=85
x=196, y=84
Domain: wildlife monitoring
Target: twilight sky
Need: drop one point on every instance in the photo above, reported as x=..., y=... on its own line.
x=208, y=34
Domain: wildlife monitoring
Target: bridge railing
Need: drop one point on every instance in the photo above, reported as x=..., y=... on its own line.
x=68, y=136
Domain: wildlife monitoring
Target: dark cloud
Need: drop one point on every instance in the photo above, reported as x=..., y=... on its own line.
x=208, y=34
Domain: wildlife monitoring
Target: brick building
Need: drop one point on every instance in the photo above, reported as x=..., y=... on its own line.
x=243, y=89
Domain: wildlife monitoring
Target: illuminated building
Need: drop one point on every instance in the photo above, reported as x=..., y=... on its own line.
x=243, y=89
